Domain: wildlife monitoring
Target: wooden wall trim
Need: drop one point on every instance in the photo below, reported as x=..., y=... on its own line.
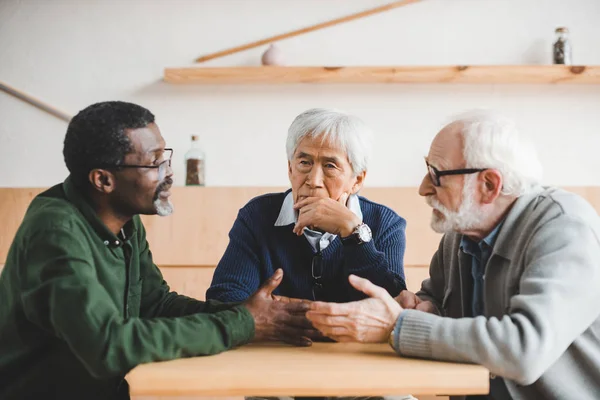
x=197, y=233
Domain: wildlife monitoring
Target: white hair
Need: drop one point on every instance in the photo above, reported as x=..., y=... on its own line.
x=493, y=141
x=348, y=132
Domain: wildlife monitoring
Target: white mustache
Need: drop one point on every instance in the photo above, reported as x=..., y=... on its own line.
x=435, y=204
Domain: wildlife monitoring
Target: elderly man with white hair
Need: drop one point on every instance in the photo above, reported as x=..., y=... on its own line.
x=515, y=283
x=319, y=232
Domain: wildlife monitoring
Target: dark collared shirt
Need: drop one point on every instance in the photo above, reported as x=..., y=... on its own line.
x=81, y=306
x=480, y=253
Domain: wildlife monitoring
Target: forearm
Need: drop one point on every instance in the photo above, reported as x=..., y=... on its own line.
x=367, y=262
x=176, y=305
x=109, y=345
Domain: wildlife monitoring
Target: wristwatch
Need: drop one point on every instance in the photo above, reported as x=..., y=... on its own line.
x=361, y=234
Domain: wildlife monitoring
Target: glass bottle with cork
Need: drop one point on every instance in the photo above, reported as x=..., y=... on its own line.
x=561, y=51
x=195, y=161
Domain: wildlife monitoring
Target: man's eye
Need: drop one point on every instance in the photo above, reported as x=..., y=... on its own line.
x=329, y=165
x=304, y=162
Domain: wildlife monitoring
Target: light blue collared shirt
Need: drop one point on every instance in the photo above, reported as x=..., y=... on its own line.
x=318, y=240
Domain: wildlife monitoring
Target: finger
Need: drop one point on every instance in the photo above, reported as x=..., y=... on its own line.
x=368, y=288
x=272, y=283
x=300, y=342
x=295, y=300
x=329, y=320
x=319, y=307
x=299, y=322
x=285, y=299
x=302, y=223
x=407, y=299
x=343, y=199
x=333, y=330
x=297, y=307
x=343, y=338
x=305, y=220
x=305, y=202
x=299, y=228
x=426, y=306
x=290, y=333
x=315, y=334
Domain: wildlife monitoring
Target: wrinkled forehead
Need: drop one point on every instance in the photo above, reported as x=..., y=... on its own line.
x=446, y=149
x=320, y=143
x=145, y=140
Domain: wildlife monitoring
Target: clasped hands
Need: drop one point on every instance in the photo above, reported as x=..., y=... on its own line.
x=298, y=322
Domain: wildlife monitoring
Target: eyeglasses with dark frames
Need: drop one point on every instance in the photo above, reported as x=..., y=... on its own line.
x=317, y=273
x=162, y=166
x=435, y=174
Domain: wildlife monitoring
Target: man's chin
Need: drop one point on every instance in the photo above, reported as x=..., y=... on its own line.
x=438, y=224
x=163, y=207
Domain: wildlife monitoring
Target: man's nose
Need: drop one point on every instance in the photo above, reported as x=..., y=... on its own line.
x=426, y=188
x=315, y=177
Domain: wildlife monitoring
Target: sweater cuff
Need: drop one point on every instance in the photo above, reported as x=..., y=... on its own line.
x=241, y=328
x=414, y=338
x=396, y=338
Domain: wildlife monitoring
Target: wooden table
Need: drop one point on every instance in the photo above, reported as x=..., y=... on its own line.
x=325, y=369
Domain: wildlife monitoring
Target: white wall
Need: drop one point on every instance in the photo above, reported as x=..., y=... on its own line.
x=73, y=53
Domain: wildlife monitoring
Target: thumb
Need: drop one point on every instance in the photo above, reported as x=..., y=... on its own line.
x=343, y=199
x=368, y=288
x=407, y=300
x=272, y=283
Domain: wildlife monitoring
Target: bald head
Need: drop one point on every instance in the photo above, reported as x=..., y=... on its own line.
x=446, y=151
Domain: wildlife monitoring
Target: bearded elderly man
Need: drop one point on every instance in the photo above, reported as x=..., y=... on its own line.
x=320, y=231
x=514, y=283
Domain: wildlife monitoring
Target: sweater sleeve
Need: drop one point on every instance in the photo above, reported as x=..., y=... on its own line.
x=61, y=294
x=556, y=301
x=432, y=288
x=237, y=275
x=381, y=261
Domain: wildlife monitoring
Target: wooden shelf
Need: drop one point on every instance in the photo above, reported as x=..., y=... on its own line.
x=534, y=74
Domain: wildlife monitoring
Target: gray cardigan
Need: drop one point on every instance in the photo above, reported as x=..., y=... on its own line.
x=541, y=329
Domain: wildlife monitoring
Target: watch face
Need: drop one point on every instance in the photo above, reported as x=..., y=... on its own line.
x=364, y=233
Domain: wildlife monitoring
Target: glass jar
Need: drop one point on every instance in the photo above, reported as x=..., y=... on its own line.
x=562, y=47
x=195, y=164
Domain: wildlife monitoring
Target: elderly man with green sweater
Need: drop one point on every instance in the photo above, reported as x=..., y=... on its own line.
x=81, y=301
x=515, y=283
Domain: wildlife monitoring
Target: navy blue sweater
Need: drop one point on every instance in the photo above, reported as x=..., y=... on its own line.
x=257, y=248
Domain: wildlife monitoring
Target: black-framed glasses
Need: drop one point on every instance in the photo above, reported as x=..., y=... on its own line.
x=435, y=174
x=316, y=269
x=162, y=166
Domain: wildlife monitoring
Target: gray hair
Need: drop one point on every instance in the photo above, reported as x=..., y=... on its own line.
x=350, y=133
x=493, y=141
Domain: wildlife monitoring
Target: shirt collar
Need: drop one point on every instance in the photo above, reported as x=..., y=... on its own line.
x=80, y=201
x=469, y=246
x=288, y=216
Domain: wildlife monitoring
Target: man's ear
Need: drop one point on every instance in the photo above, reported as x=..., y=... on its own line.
x=289, y=170
x=491, y=187
x=102, y=180
x=358, y=182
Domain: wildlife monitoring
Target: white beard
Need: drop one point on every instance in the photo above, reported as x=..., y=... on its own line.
x=469, y=215
x=162, y=207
